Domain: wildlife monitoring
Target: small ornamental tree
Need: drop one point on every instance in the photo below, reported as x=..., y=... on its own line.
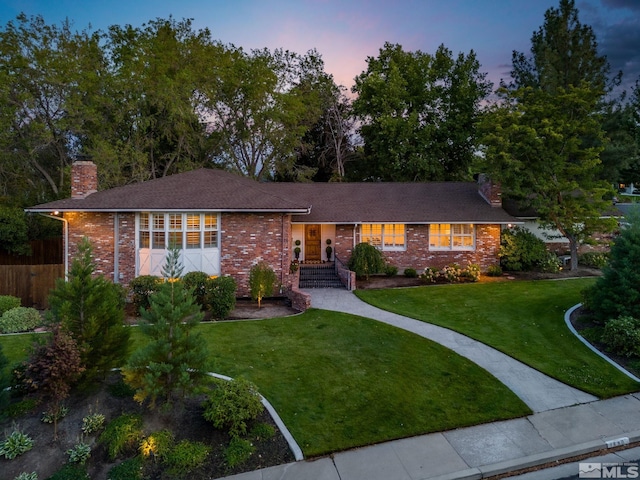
x=366, y=260
x=175, y=359
x=262, y=279
x=91, y=309
x=617, y=292
x=51, y=371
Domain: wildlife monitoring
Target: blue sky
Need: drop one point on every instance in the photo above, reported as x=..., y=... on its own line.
x=346, y=32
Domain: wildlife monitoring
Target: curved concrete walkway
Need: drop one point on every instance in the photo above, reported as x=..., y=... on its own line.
x=537, y=390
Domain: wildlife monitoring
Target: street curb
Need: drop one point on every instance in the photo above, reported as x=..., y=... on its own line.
x=487, y=471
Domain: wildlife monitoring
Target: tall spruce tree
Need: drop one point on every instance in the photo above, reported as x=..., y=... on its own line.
x=91, y=309
x=174, y=361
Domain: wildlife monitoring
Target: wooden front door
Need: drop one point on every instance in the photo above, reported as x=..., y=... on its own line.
x=312, y=238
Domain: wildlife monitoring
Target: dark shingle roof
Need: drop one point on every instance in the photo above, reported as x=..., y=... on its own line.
x=206, y=189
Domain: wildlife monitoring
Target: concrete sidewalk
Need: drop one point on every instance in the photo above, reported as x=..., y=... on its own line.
x=566, y=422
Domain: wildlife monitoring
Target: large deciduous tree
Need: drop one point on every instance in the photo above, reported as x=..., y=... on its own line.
x=544, y=137
x=260, y=105
x=418, y=114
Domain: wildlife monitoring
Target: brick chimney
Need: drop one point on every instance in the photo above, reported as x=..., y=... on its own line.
x=490, y=191
x=84, y=179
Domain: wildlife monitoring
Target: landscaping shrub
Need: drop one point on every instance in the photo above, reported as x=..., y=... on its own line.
x=197, y=282
x=366, y=260
x=130, y=469
x=594, y=259
x=262, y=279
x=410, y=273
x=221, y=296
x=7, y=302
x=471, y=272
x=157, y=444
x=142, y=288
x=185, y=457
x=232, y=404
x=550, y=263
x=15, y=445
x=52, y=416
x=451, y=273
x=430, y=275
x=18, y=409
x=20, y=319
x=622, y=336
x=617, y=292
x=390, y=270
x=521, y=250
x=71, y=471
x=494, y=271
x=27, y=476
x=238, y=451
x=262, y=431
x=79, y=454
x=92, y=423
x=122, y=433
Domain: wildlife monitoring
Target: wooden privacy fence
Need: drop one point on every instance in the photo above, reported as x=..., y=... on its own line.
x=31, y=277
x=31, y=283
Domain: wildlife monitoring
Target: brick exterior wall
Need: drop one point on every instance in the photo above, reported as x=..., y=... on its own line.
x=99, y=228
x=418, y=256
x=247, y=239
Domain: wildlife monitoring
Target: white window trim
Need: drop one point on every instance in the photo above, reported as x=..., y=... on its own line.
x=184, y=230
x=451, y=246
x=382, y=246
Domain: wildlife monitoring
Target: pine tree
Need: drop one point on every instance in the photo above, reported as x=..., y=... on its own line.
x=175, y=360
x=91, y=309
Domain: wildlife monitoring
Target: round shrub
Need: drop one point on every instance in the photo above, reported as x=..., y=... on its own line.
x=232, y=404
x=221, y=296
x=7, y=302
x=185, y=457
x=410, y=273
x=15, y=445
x=20, y=319
x=238, y=451
x=197, y=281
x=142, y=288
x=390, y=270
x=130, y=469
x=121, y=434
x=451, y=273
x=471, y=272
x=430, y=275
x=622, y=336
x=494, y=271
x=521, y=250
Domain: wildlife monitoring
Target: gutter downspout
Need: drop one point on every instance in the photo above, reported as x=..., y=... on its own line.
x=66, y=241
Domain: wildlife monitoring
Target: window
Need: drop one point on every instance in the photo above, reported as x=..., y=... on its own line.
x=385, y=236
x=159, y=231
x=445, y=236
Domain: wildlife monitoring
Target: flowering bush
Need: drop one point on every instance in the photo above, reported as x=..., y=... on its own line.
x=472, y=272
x=451, y=273
x=430, y=275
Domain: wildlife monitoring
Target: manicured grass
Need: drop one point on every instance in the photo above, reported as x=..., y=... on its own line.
x=340, y=381
x=17, y=347
x=522, y=319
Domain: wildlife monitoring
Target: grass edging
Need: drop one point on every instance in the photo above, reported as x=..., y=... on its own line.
x=567, y=320
x=295, y=448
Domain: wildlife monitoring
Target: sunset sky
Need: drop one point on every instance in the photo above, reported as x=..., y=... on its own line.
x=346, y=32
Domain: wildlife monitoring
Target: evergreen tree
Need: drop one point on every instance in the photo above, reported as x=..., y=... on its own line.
x=175, y=359
x=617, y=292
x=91, y=309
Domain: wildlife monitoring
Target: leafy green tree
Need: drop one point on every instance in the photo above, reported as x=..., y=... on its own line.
x=13, y=231
x=175, y=359
x=50, y=72
x=91, y=309
x=617, y=292
x=544, y=138
x=260, y=106
x=262, y=279
x=418, y=114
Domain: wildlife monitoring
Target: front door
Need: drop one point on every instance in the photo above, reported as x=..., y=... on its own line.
x=312, y=238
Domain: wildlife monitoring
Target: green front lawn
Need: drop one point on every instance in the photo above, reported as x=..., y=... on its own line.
x=522, y=319
x=340, y=381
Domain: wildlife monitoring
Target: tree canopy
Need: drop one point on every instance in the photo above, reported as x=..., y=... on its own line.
x=418, y=114
x=544, y=138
